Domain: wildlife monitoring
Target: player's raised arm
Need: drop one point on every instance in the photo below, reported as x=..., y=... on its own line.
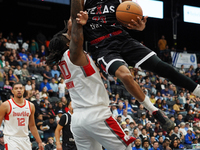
x=77, y=56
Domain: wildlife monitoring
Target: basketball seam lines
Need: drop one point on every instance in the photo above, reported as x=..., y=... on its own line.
x=129, y=12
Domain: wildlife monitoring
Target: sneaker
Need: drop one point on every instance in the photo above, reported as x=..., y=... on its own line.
x=165, y=122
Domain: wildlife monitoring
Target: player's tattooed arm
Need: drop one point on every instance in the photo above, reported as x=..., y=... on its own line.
x=77, y=56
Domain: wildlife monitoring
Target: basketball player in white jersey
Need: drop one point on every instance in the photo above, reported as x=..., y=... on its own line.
x=18, y=115
x=92, y=123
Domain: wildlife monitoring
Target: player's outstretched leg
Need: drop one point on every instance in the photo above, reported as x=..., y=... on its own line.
x=134, y=89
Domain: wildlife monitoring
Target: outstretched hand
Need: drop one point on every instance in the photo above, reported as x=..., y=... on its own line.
x=82, y=17
x=140, y=25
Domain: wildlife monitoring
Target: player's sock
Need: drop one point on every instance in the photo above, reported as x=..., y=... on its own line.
x=148, y=105
x=197, y=90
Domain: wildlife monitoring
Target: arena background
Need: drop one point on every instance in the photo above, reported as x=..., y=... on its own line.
x=31, y=16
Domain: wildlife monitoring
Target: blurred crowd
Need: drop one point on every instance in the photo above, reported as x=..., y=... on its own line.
x=24, y=60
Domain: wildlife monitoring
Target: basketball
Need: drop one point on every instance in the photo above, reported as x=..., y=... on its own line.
x=128, y=10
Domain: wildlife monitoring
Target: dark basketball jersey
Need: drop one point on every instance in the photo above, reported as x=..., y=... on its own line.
x=68, y=138
x=102, y=18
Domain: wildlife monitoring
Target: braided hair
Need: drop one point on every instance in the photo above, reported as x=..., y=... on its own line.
x=57, y=47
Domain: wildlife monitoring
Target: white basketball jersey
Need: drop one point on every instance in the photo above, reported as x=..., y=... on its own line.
x=84, y=83
x=17, y=120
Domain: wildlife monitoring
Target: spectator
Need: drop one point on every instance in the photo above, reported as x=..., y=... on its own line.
x=155, y=146
x=128, y=107
x=152, y=140
x=47, y=73
x=152, y=99
x=54, y=87
x=120, y=108
x=176, y=106
x=39, y=122
x=6, y=67
x=25, y=73
x=2, y=61
x=15, y=45
x=18, y=72
x=36, y=60
x=123, y=125
x=182, y=128
x=7, y=86
x=23, y=56
x=20, y=39
x=12, y=78
x=46, y=84
x=59, y=107
x=174, y=145
x=135, y=133
x=34, y=47
x=42, y=52
x=1, y=141
x=51, y=126
x=115, y=113
x=182, y=70
x=189, y=117
x=177, y=134
x=160, y=134
x=162, y=43
x=28, y=86
x=119, y=119
x=55, y=71
x=134, y=105
x=158, y=96
x=25, y=45
x=196, y=117
x=13, y=63
x=160, y=141
x=140, y=127
x=125, y=115
x=131, y=127
x=44, y=93
x=165, y=107
x=140, y=110
x=51, y=110
x=64, y=103
x=143, y=136
x=159, y=104
x=146, y=145
x=50, y=145
x=182, y=98
x=189, y=136
x=61, y=88
x=143, y=119
x=126, y=130
x=157, y=127
x=170, y=136
x=137, y=145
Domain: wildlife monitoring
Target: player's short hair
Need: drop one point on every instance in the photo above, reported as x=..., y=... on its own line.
x=16, y=84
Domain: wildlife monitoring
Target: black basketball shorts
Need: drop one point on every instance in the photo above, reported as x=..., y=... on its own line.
x=121, y=49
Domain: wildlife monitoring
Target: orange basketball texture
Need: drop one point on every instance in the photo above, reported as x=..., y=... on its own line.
x=128, y=10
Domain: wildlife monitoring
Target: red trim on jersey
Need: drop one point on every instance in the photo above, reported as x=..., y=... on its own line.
x=70, y=85
x=6, y=117
x=61, y=64
x=68, y=53
x=6, y=146
x=29, y=104
x=18, y=105
x=114, y=126
x=89, y=70
x=105, y=37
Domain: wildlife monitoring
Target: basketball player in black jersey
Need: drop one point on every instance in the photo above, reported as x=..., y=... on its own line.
x=64, y=124
x=113, y=48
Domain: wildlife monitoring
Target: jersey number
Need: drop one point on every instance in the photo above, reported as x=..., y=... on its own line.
x=65, y=70
x=21, y=121
x=102, y=18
